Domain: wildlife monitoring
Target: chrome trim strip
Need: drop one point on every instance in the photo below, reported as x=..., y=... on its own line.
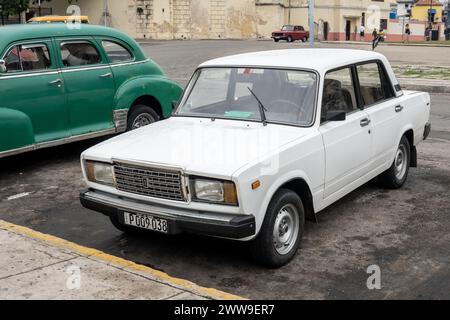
x=129, y=63
x=84, y=69
x=58, y=142
x=29, y=75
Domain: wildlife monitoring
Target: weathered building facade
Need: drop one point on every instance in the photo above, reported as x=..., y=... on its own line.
x=235, y=19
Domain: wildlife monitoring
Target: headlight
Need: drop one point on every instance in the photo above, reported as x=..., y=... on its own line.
x=216, y=191
x=99, y=172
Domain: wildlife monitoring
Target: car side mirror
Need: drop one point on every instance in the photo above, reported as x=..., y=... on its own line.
x=334, y=116
x=3, y=68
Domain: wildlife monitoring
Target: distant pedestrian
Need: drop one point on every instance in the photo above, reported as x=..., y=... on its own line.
x=362, y=31
x=408, y=33
x=375, y=39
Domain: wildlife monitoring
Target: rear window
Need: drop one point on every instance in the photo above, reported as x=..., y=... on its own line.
x=116, y=52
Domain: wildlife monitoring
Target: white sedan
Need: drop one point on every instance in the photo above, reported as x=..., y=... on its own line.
x=258, y=143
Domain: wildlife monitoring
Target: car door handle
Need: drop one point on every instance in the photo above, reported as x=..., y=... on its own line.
x=59, y=82
x=106, y=75
x=398, y=108
x=365, y=122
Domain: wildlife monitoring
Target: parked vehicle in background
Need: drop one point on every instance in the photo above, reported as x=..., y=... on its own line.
x=267, y=139
x=291, y=33
x=60, y=84
x=59, y=19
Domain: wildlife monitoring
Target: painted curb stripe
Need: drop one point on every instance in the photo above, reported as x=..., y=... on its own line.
x=126, y=264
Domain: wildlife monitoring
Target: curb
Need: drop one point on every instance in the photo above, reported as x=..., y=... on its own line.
x=126, y=265
x=411, y=44
x=418, y=85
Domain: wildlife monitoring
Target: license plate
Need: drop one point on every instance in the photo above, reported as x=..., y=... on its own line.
x=145, y=221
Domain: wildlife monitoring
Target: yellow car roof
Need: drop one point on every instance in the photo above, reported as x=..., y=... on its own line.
x=65, y=19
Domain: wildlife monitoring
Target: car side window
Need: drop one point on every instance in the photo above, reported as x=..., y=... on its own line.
x=339, y=92
x=374, y=83
x=29, y=57
x=116, y=52
x=80, y=53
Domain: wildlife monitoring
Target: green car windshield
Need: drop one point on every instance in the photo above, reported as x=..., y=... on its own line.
x=281, y=96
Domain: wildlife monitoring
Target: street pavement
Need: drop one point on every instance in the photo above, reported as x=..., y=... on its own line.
x=181, y=58
x=405, y=232
x=36, y=266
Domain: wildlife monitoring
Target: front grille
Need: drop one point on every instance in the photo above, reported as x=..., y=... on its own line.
x=152, y=182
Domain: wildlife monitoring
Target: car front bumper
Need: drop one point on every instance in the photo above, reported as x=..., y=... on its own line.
x=180, y=220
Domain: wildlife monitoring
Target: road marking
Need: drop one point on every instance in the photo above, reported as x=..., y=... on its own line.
x=18, y=196
x=126, y=264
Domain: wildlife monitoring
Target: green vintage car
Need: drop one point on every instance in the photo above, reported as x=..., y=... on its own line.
x=60, y=84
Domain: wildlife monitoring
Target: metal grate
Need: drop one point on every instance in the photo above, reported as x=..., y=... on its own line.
x=152, y=182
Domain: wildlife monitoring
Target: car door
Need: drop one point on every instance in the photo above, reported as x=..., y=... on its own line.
x=33, y=86
x=383, y=109
x=347, y=143
x=89, y=85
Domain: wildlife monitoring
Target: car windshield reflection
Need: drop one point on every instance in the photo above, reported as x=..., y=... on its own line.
x=288, y=96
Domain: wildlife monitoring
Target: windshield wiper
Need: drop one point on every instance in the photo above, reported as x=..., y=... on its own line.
x=262, y=109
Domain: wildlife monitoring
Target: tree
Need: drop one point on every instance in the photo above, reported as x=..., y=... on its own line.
x=15, y=7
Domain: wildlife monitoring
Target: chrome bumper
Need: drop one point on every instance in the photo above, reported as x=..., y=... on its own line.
x=208, y=223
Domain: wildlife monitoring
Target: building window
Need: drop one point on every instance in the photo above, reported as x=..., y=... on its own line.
x=383, y=24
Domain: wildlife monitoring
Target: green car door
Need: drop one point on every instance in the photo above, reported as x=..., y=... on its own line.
x=33, y=95
x=89, y=85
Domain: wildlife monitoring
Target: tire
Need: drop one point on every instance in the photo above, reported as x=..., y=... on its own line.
x=290, y=39
x=141, y=116
x=304, y=39
x=395, y=177
x=276, y=40
x=284, y=204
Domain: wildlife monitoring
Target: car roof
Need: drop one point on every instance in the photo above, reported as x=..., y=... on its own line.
x=320, y=60
x=12, y=33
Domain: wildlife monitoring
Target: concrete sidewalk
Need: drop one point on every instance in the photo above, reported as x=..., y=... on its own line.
x=39, y=266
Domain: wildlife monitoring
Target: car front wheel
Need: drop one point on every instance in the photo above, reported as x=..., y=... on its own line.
x=397, y=174
x=141, y=116
x=282, y=230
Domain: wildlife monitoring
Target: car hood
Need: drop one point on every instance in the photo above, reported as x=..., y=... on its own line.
x=198, y=145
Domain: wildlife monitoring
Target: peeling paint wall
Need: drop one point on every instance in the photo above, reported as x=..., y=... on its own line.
x=218, y=19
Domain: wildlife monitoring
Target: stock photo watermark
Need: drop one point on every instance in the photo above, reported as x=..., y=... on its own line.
x=374, y=280
x=73, y=281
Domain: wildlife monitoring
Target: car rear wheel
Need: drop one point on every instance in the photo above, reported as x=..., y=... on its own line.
x=304, y=39
x=290, y=39
x=141, y=116
x=397, y=174
x=282, y=230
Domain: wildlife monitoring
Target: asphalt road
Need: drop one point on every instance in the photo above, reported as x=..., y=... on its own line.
x=405, y=232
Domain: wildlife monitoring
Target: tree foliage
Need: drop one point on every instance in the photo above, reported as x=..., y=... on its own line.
x=13, y=7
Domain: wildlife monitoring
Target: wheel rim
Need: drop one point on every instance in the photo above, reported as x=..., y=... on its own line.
x=401, y=162
x=285, y=231
x=142, y=120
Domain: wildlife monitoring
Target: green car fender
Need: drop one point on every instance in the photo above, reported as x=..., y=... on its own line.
x=16, y=130
x=161, y=88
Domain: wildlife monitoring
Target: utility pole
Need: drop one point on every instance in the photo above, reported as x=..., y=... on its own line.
x=311, y=23
x=289, y=12
x=40, y=10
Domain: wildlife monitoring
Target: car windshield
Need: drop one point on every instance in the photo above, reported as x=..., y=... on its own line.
x=286, y=96
x=287, y=28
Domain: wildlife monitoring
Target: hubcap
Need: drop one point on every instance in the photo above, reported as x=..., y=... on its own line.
x=142, y=120
x=285, y=231
x=401, y=162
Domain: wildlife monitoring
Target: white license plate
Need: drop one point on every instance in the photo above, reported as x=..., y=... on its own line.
x=145, y=221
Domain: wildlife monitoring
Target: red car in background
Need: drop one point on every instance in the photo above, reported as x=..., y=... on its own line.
x=291, y=33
